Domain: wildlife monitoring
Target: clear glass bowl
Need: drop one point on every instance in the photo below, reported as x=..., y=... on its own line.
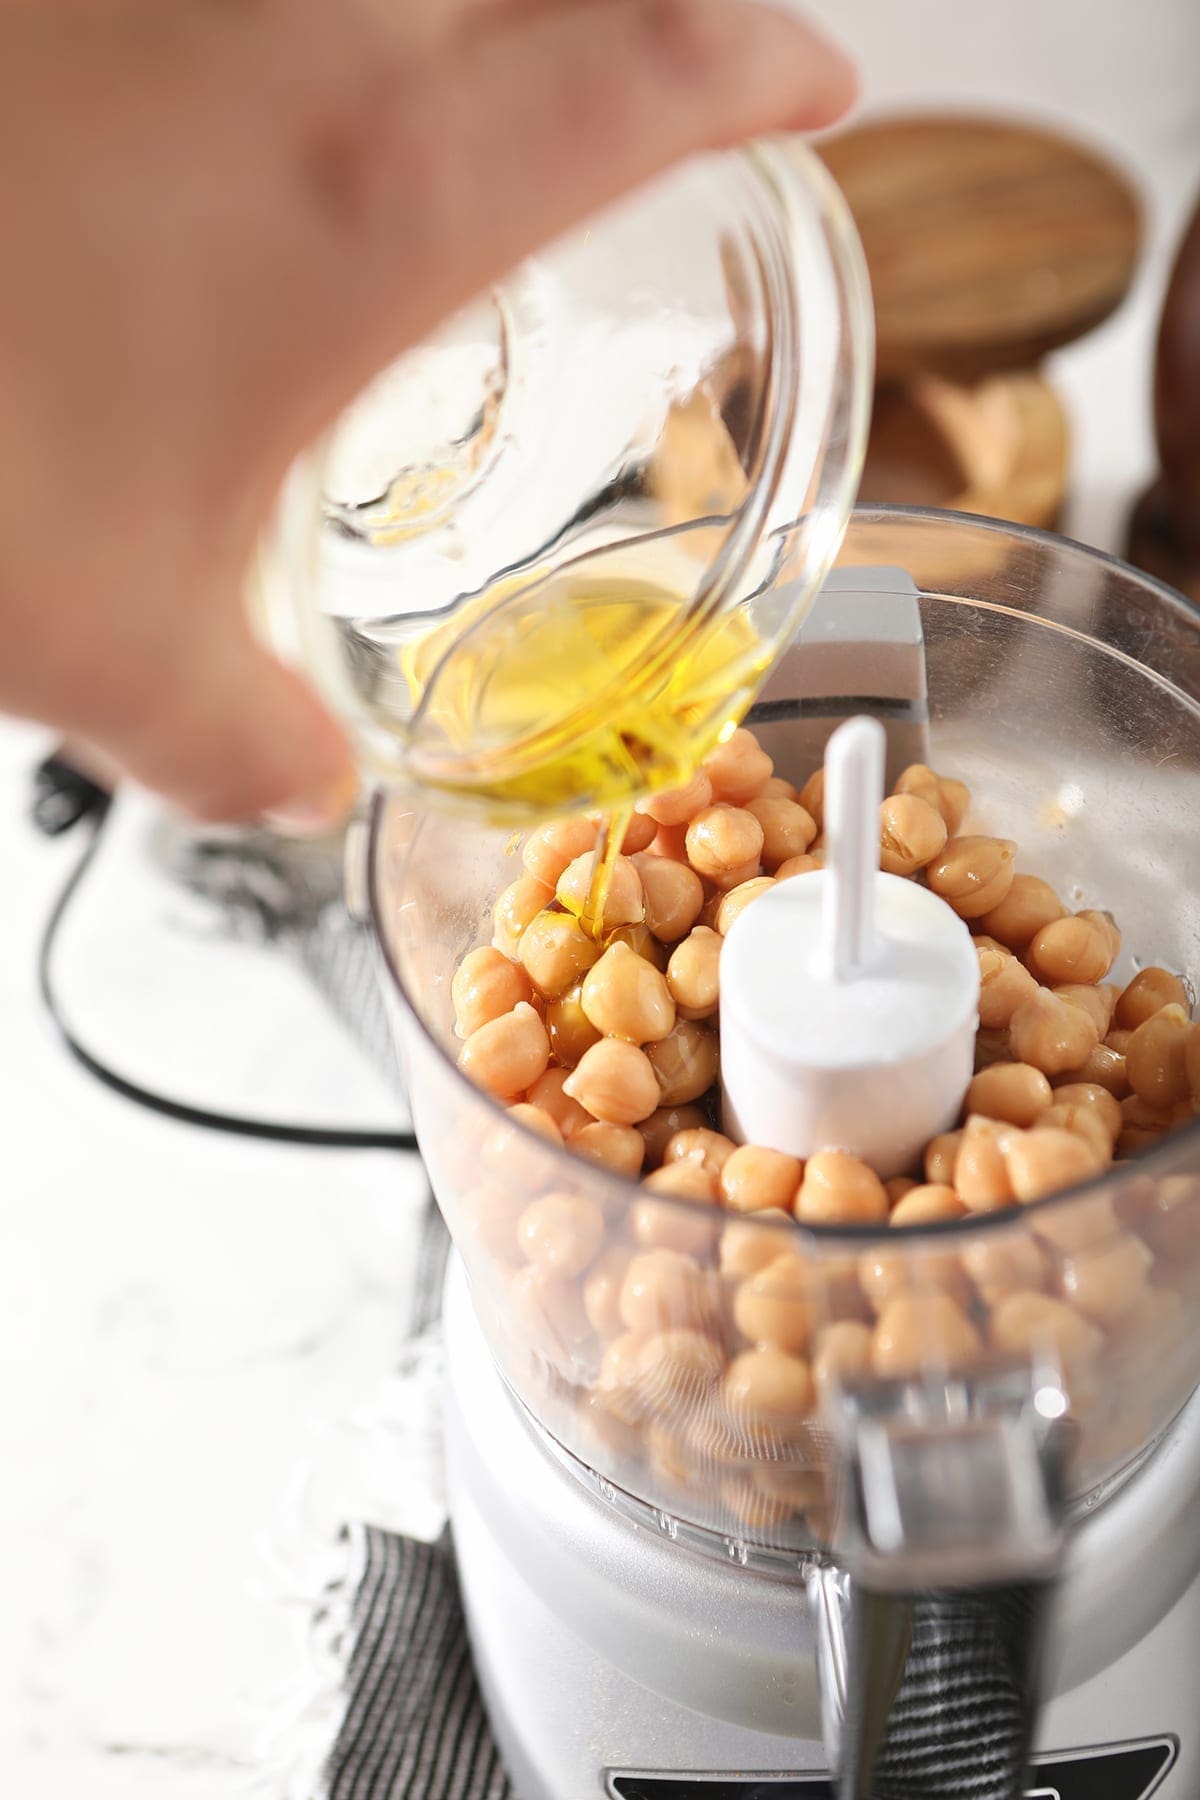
x=676, y=394
x=1064, y=688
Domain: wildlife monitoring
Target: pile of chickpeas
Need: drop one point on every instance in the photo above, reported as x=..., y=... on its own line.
x=692, y=1345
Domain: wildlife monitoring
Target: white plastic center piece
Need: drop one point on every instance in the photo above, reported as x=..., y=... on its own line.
x=849, y=998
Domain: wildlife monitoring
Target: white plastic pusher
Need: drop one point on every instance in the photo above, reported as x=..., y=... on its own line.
x=849, y=998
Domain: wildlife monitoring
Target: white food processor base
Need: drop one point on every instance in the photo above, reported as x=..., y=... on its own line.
x=619, y=1664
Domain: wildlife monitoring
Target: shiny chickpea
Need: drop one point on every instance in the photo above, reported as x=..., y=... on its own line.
x=973, y=874
x=1001, y=1264
x=546, y=1093
x=614, y=1082
x=1142, y=1124
x=1104, y=1282
x=571, y=1031
x=1085, y=1122
x=755, y=1179
x=1150, y=990
x=616, y=1147
x=952, y=798
x=734, y=903
x=538, y=1120
x=693, y=974
x=551, y=847
x=926, y=1205
x=749, y=1245
x=1102, y=1067
x=507, y=1056
x=672, y=894
x=1024, y=1323
x=663, y=1124
x=1015, y=1092
x=898, y=1186
x=626, y=997
x=663, y=1289
x=842, y=1354
x=515, y=909
x=711, y=1149
x=1069, y=950
x=556, y=952
x=670, y=843
x=658, y=1225
x=912, y=832
x=602, y=1290
x=675, y=806
x=642, y=941
x=779, y=789
x=722, y=839
x=941, y=1158
x=561, y=1232
x=812, y=797
x=1096, y=1099
x=1096, y=1002
x=1191, y=1061
x=981, y=1172
x=1046, y=1161
x=839, y=1189
x=776, y=1304
x=1029, y=905
x=884, y=1273
x=684, y=1063
x=1156, y=1060
x=638, y=835
x=1117, y=1040
x=922, y=1331
x=798, y=865
x=739, y=768
x=1107, y=926
x=547, y=1312
x=787, y=829
x=624, y=904
x=486, y=985
x=1004, y=984
x=768, y=1386
x=1051, y=1035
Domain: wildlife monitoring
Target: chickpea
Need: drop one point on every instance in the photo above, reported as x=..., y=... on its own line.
x=776, y=1304
x=926, y=1204
x=952, y=798
x=638, y=835
x=486, y=985
x=752, y=1506
x=941, y=1158
x=748, y=1247
x=561, y=1232
x=912, y=832
x=798, y=865
x=1051, y=1035
x=1033, y=1323
x=684, y=1063
x=548, y=1314
x=770, y=1387
x=787, y=829
x=722, y=839
x=571, y=1031
x=1004, y=984
x=602, y=1290
x=973, y=874
x=1004, y=1264
x=1077, y=1223
x=677, y=1370
x=1046, y=1161
x=842, y=1354
x=1096, y=1099
x=755, y=1179
x=676, y=806
x=515, y=909
x=556, y=952
x=1107, y=926
x=838, y=1189
x=1170, y=1220
x=624, y=905
x=1102, y=1067
x=1072, y=949
x=779, y=789
x=1105, y=1281
x=1117, y=1040
x=734, y=903
x=616, y=1147
x=991, y=1047
x=812, y=797
x=626, y=997
x=981, y=1170
x=663, y=1289
x=536, y=1119
x=1096, y=1002
x=707, y=1150
x=883, y=1274
x=1085, y=1122
x=672, y=894
x=506, y=1056
x=1150, y=990
x=642, y=941
x=614, y=1082
x=1029, y=905
x=1191, y=1061
x=667, y=1454
x=1143, y=1124
x=1156, y=1060
x=693, y=974
x=739, y=768
x=546, y=1093
x=617, y=1380
x=670, y=844
x=1015, y=1092
x=897, y=1187
x=923, y=1332
x=607, y=1439
x=659, y=1226
x=551, y=847
x=663, y=1124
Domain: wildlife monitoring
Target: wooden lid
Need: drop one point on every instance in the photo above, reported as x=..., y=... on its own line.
x=989, y=244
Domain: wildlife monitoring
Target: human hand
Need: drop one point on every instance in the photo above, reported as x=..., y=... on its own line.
x=220, y=220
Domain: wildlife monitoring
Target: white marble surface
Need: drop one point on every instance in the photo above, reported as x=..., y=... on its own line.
x=187, y=1320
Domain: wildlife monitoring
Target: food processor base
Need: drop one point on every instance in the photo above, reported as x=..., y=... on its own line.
x=619, y=1664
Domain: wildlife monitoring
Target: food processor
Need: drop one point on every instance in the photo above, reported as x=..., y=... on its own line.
x=971, y=1571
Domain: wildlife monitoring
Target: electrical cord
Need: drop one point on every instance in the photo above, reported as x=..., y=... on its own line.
x=63, y=799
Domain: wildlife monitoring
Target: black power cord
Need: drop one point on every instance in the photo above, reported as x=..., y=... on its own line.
x=63, y=799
